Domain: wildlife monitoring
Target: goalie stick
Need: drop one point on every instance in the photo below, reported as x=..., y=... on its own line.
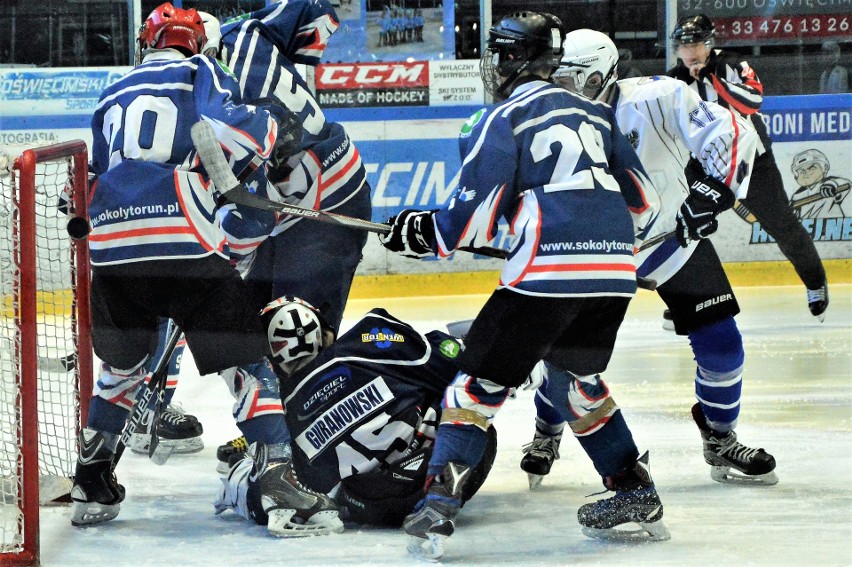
x=210, y=153
x=153, y=393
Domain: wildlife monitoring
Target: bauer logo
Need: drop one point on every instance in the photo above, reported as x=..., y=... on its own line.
x=382, y=338
x=712, y=302
x=339, y=418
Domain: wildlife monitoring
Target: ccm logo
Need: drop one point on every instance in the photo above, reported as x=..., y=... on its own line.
x=711, y=302
x=373, y=75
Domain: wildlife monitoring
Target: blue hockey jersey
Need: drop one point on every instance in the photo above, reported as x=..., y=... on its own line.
x=262, y=48
x=555, y=167
x=150, y=200
x=360, y=402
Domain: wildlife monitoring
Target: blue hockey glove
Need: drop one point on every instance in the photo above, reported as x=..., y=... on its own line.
x=696, y=218
x=411, y=234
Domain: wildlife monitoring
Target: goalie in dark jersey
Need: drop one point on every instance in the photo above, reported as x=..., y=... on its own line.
x=362, y=413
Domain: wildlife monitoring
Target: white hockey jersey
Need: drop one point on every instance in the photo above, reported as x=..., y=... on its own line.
x=665, y=121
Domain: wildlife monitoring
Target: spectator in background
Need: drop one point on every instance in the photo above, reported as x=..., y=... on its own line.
x=625, y=62
x=835, y=78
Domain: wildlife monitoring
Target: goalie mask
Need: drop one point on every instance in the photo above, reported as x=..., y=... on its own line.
x=589, y=64
x=170, y=27
x=525, y=43
x=294, y=328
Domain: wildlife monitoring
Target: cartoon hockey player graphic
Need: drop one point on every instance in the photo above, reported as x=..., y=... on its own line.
x=819, y=195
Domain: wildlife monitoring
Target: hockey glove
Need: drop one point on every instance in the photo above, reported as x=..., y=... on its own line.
x=411, y=234
x=696, y=218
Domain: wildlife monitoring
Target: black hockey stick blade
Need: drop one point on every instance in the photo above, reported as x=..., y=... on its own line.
x=210, y=153
x=156, y=377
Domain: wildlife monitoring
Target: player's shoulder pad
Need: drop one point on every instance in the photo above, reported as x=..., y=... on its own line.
x=471, y=123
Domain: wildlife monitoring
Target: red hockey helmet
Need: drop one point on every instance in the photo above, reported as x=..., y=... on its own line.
x=177, y=28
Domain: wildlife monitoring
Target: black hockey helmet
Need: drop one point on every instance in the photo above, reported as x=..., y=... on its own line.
x=522, y=43
x=694, y=29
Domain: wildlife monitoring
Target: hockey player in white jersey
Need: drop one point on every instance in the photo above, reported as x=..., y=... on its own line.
x=157, y=251
x=666, y=122
x=553, y=165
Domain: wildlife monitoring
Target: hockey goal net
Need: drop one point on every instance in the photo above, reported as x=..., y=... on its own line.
x=45, y=342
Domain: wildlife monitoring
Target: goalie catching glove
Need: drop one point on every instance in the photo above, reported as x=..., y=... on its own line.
x=411, y=233
x=696, y=218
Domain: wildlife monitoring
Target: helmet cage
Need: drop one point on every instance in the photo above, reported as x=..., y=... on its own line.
x=524, y=41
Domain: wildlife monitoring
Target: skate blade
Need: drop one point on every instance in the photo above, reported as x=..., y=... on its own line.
x=322, y=523
x=631, y=532
x=534, y=480
x=139, y=443
x=429, y=549
x=726, y=475
x=90, y=513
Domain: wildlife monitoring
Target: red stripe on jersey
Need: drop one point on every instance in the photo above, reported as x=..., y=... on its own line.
x=582, y=268
x=204, y=244
x=734, y=152
x=726, y=96
x=139, y=232
x=641, y=189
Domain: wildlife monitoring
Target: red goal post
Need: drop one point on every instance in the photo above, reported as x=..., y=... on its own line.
x=46, y=360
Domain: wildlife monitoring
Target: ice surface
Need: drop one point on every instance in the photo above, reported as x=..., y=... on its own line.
x=797, y=404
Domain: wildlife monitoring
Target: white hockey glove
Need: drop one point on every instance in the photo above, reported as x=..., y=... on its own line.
x=696, y=218
x=411, y=234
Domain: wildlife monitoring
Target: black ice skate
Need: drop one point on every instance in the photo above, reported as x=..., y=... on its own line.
x=277, y=498
x=96, y=493
x=431, y=522
x=730, y=461
x=818, y=301
x=229, y=453
x=177, y=430
x=539, y=457
x=635, y=502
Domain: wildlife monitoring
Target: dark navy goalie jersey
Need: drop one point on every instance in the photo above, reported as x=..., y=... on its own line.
x=360, y=402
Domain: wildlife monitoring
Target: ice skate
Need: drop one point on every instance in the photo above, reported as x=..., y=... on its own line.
x=96, y=493
x=730, y=461
x=230, y=453
x=539, y=455
x=177, y=430
x=818, y=301
x=635, y=503
x=292, y=509
x=432, y=521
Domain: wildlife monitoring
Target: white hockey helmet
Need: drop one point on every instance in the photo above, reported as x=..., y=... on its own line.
x=213, y=32
x=589, y=64
x=805, y=159
x=294, y=328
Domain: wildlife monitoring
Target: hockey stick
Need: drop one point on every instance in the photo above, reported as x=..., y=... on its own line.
x=230, y=187
x=156, y=384
x=799, y=203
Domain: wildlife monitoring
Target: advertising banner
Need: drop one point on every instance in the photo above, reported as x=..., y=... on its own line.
x=772, y=22
x=418, y=83
x=412, y=159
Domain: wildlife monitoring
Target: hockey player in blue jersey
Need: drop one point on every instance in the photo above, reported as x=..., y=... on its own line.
x=323, y=170
x=320, y=169
x=667, y=123
x=553, y=165
x=362, y=412
x=157, y=251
